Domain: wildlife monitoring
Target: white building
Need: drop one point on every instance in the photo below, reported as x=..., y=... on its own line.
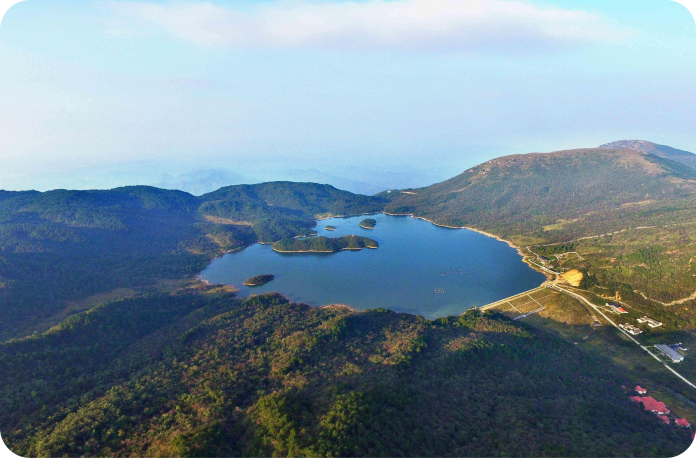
x=670, y=353
x=651, y=322
x=630, y=328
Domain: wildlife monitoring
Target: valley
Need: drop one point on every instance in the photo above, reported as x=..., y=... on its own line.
x=146, y=359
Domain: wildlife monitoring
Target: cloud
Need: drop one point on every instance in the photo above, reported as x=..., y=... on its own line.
x=446, y=25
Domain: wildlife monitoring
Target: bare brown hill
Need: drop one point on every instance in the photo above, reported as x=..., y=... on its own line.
x=667, y=152
x=556, y=196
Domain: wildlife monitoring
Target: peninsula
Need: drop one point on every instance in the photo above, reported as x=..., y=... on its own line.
x=323, y=244
x=368, y=223
x=258, y=280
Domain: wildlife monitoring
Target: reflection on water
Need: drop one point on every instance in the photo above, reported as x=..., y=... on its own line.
x=419, y=268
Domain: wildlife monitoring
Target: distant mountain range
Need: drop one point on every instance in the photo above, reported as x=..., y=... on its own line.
x=182, y=368
x=677, y=155
x=202, y=181
x=318, y=176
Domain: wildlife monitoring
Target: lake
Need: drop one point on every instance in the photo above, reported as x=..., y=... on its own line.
x=418, y=268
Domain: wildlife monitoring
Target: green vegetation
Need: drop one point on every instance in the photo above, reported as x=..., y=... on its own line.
x=640, y=206
x=330, y=227
x=325, y=244
x=60, y=248
x=571, y=320
x=655, y=261
x=184, y=369
x=368, y=223
x=258, y=280
x=207, y=374
x=283, y=209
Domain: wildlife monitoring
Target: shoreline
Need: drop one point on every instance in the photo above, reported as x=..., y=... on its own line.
x=317, y=251
x=347, y=216
x=488, y=234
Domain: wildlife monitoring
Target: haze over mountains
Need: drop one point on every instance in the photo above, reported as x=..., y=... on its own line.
x=373, y=181
x=145, y=360
x=202, y=181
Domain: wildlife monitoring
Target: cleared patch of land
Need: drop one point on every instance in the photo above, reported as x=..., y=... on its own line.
x=573, y=276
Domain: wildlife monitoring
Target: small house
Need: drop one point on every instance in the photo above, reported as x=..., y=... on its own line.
x=651, y=405
x=682, y=422
x=616, y=306
x=630, y=328
x=664, y=419
x=651, y=322
x=640, y=390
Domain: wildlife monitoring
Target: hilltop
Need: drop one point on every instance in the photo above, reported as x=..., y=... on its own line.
x=588, y=200
x=552, y=196
x=144, y=360
x=323, y=244
x=667, y=152
x=60, y=251
x=211, y=375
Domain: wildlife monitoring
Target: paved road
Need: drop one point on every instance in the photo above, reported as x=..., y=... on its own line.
x=597, y=309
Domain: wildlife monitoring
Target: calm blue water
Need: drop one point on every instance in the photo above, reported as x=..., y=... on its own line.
x=403, y=274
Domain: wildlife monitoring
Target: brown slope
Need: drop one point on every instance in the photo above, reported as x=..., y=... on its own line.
x=666, y=152
x=595, y=189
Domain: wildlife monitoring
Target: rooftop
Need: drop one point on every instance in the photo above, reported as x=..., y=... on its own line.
x=669, y=352
x=651, y=404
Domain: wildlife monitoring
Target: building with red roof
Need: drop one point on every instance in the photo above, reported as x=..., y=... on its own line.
x=651, y=404
x=682, y=422
x=640, y=390
x=664, y=419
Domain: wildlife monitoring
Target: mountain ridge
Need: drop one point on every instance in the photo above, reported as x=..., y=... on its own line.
x=664, y=151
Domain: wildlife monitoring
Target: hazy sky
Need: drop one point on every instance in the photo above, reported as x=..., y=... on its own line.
x=319, y=83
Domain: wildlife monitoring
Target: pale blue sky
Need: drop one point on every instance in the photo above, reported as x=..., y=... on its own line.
x=434, y=85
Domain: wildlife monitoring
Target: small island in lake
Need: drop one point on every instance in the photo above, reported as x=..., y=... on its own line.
x=258, y=280
x=368, y=223
x=324, y=244
x=330, y=228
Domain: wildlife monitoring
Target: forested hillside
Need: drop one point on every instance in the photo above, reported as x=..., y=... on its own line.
x=325, y=244
x=557, y=196
x=178, y=368
x=61, y=247
x=283, y=209
x=205, y=374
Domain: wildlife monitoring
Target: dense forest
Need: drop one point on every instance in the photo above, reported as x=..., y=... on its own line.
x=109, y=346
x=206, y=374
x=325, y=244
x=60, y=247
x=368, y=223
x=283, y=209
x=258, y=280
